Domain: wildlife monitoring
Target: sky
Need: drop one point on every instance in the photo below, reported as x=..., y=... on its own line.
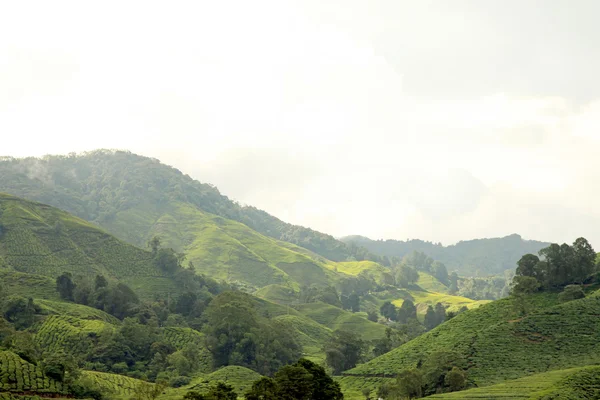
x=438, y=120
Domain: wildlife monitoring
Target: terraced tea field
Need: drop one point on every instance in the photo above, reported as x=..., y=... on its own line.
x=18, y=375
x=568, y=384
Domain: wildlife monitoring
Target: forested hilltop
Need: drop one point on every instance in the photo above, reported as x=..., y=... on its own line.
x=479, y=257
x=98, y=185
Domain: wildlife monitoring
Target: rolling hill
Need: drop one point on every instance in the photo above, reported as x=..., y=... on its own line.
x=37, y=239
x=98, y=186
x=498, y=344
x=568, y=384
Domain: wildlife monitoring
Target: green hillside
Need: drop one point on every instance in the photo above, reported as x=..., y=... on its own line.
x=113, y=385
x=335, y=318
x=18, y=376
x=42, y=240
x=498, y=344
x=99, y=186
x=567, y=384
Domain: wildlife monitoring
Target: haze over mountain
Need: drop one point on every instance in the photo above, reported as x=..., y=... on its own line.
x=388, y=119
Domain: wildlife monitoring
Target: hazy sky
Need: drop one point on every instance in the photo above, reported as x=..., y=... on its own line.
x=440, y=120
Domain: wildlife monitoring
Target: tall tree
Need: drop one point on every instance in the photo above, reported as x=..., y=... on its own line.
x=65, y=286
x=430, y=318
x=344, y=350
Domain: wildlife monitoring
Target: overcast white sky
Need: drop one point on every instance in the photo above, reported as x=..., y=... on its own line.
x=439, y=120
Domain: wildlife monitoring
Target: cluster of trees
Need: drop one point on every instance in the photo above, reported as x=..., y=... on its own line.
x=344, y=350
x=406, y=313
x=434, y=316
x=303, y=380
x=116, y=299
x=559, y=266
x=442, y=372
x=237, y=335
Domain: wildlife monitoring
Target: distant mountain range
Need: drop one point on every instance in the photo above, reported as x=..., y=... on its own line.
x=471, y=257
x=136, y=197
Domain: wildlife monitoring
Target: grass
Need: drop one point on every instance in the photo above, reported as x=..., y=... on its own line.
x=18, y=375
x=335, y=318
x=568, y=384
x=499, y=344
x=352, y=386
x=76, y=310
x=239, y=378
x=18, y=283
x=69, y=334
x=42, y=240
x=112, y=385
x=278, y=293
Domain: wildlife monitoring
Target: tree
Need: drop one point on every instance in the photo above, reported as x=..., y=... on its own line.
x=354, y=302
x=437, y=366
x=323, y=387
x=584, y=259
x=455, y=379
x=525, y=285
x=409, y=308
x=100, y=282
x=343, y=351
x=294, y=383
x=440, y=313
x=410, y=383
x=20, y=312
x=440, y=271
x=263, y=389
x=406, y=276
x=453, y=288
x=65, y=286
x=430, y=319
x=221, y=391
x=367, y=393
x=526, y=266
x=193, y=395
x=372, y=315
x=388, y=310
x=571, y=292
x=154, y=244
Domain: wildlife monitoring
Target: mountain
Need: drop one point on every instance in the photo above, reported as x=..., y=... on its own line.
x=470, y=257
x=102, y=186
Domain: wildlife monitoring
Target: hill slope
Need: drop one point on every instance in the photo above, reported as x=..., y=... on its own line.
x=42, y=240
x=470, y=257
x=497, y=344
x=96, y=186
x=567, y=384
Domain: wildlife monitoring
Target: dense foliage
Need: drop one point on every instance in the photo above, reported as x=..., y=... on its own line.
x=561, y=265
x=303, y=380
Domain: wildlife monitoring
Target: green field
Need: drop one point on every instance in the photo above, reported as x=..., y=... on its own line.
x=18, y=375
x=567, y=384
x=113, y=385
x=335, y=318
x=42, y=240
x=498, y=344
x=239, y=378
